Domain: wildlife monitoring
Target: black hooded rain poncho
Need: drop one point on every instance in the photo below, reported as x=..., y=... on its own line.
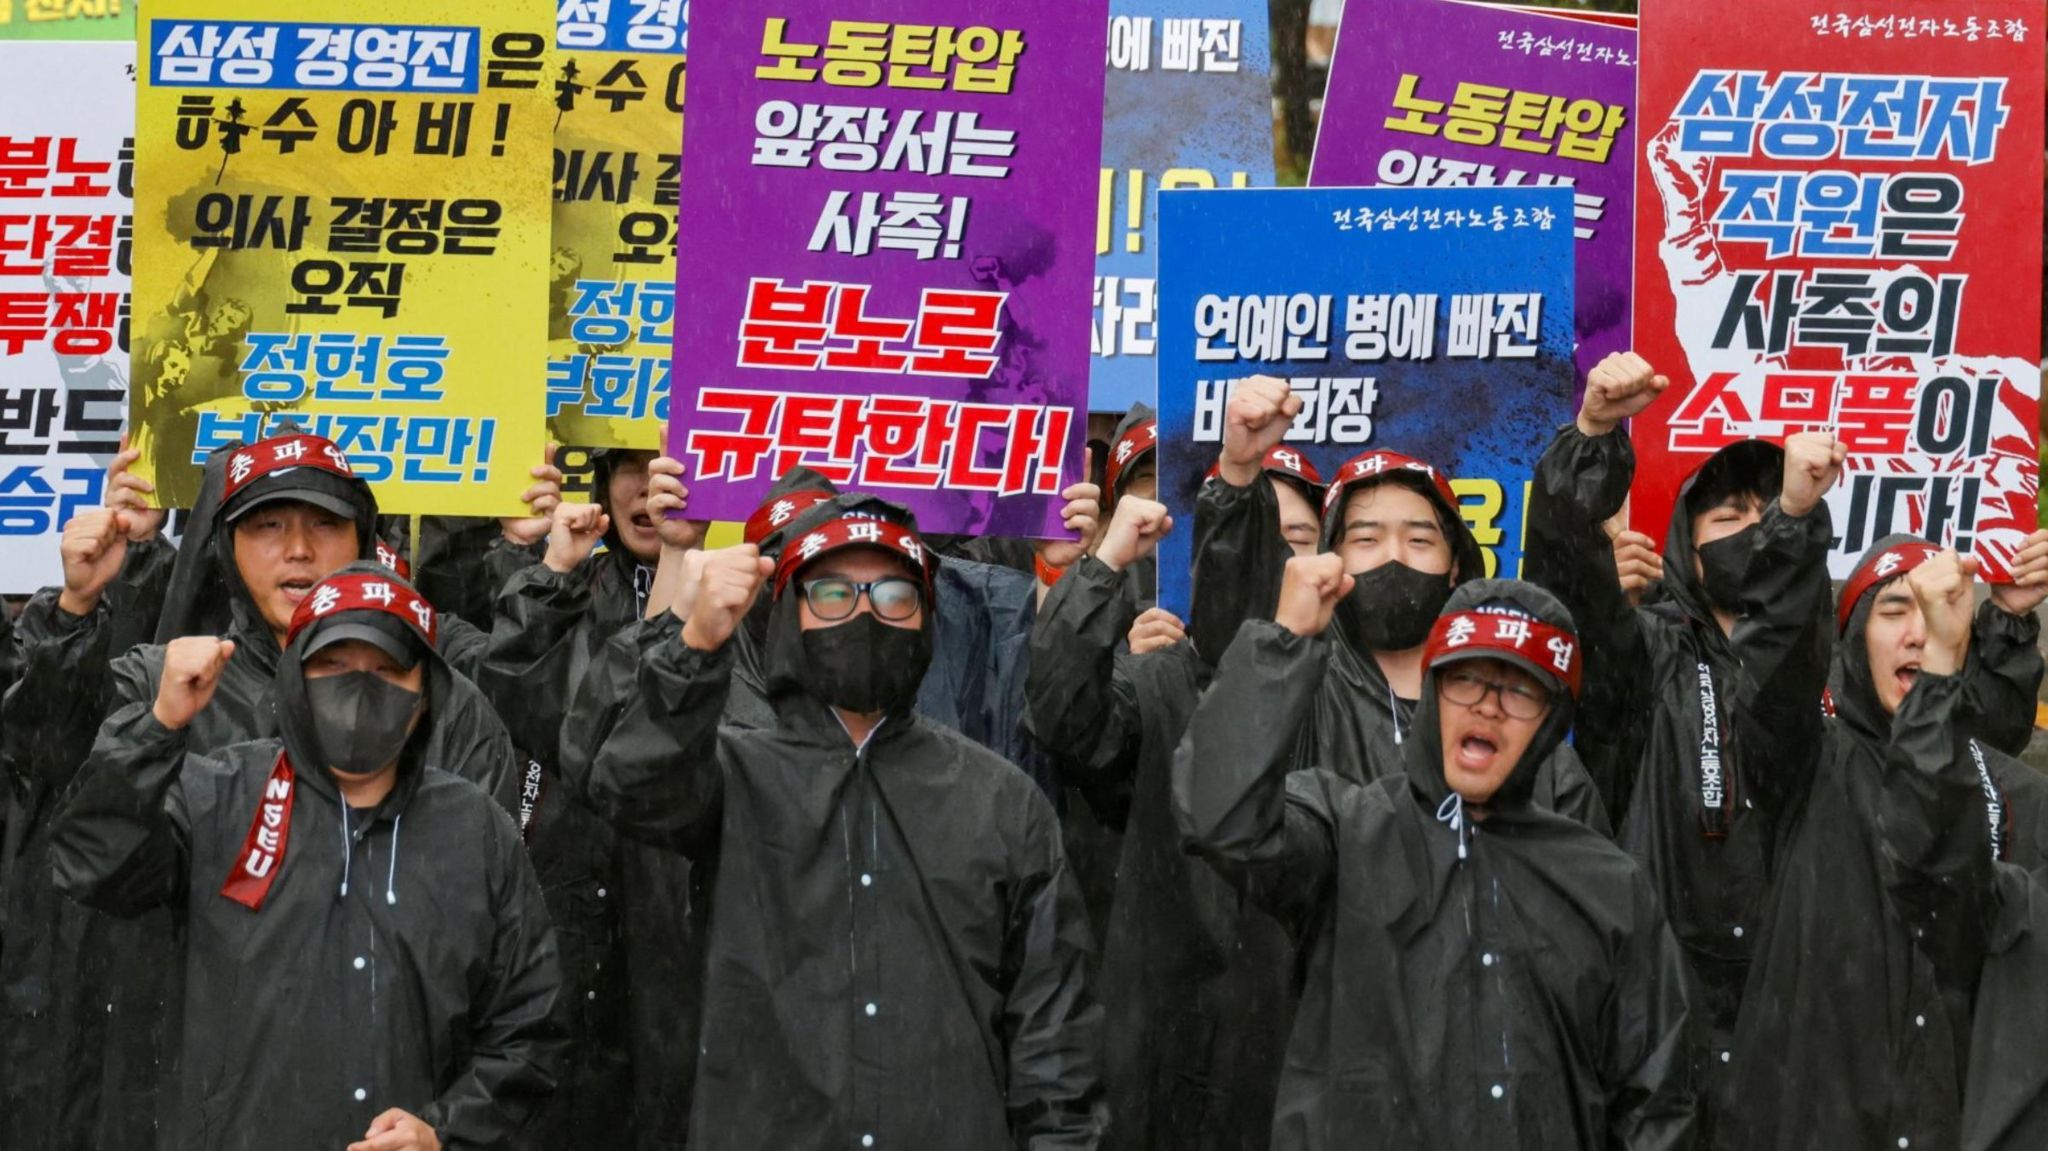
x=400, y=957
x=1501, y=983
x=901, y=956
x=1849, y=1035
x=78, y=981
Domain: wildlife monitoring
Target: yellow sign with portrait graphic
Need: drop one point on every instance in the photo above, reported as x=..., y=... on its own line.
x=342, y=223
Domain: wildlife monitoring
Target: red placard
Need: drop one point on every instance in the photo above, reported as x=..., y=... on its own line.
x=1839, y=228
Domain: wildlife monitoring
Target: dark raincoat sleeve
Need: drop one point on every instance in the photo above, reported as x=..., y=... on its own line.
x=2002, y=677
x=1240, y=558
x=1051, y=1025
x=611, y=684
x=53, y=711
x=529, y=668
x=1936, y=837
x=1652, y=1036
x=1081, y=706
x=1231, y=794
x=122, y=842
x=1783, y=642
x=658, y=776
x=136, y=597
x=517, y=1036
x=1581, y=482
x=462, y=645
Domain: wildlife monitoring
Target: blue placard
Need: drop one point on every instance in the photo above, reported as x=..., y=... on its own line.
x=657, y=26
x=1187, y=102
x=1434, y=322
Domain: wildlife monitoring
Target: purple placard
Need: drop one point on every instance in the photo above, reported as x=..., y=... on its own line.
x=1448, y=94
x=887, y=222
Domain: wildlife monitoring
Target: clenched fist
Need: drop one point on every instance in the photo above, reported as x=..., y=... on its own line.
x=397, y=1130
x=1309, y=593
x=1260, y=412
x=1156, y=630
x=1813, y=462
x=1943, y=587
x=573, y=535
x=725, y=590
x=93, y=547
x=1134, y=531
x=192, y=667
x=1618, y=388
x=1637, y=563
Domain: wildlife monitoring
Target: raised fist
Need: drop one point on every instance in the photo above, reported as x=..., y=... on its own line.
x=1156, y=630
x=1618, y=388
x=1813, y=462
x=1637, y=563
x=573, y=534
x=93, y=546
x=725, y=590
x=192, y=667
x=1943, y=587
x=1309, y=593
x=1260, y=412
x=1134, y=531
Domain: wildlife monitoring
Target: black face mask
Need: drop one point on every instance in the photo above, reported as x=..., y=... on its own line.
x=1392, y=607
x=865, y=665
x=360, y=721
x=1723, y=565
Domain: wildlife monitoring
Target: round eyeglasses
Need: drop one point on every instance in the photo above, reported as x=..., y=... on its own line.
x=1518, y=700
x=833, y=599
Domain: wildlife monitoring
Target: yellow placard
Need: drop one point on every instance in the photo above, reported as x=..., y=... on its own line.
x=342, y=221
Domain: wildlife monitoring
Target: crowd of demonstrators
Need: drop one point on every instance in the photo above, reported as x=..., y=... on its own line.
x=845, y=836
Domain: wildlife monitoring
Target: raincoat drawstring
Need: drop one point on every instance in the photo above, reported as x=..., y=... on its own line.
x=391, y=876
x=1451, y=812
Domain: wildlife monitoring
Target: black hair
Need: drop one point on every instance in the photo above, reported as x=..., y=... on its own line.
x=1738, y=472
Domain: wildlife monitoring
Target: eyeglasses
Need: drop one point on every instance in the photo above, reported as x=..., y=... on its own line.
x=894, y=599
x=1467, y=688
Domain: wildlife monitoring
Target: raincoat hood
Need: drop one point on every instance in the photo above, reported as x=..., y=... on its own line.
x=1756, y=465
x=1485, y=618
x=1850, y=688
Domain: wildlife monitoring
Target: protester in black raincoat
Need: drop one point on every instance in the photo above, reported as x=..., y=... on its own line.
x=896, y=951
x=368, y=958
x=1681, y=722
x=1851, y=1035
x=623, y=910
x=1950, y=863
x=75, y=978
x=1481, y=972
x=1196, y=985
x=1396, y=520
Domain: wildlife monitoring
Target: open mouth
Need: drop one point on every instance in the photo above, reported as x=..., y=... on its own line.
x=1475, y=752
x=1906, y=677
x=296, y=589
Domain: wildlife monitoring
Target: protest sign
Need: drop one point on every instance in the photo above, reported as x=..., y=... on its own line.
x=1435, y=93
x=1187, y=104
x=886, y=254
x=66, y=182
x=612, y=274
x=1840, y=229
x=343, y=223
x=1433, y=322
x=67, y=20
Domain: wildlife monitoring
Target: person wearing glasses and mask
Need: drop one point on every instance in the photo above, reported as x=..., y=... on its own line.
x=1479, y=971
x=897, y=949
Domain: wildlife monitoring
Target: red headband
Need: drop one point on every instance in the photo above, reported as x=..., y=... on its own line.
x=391, y=559
x=268, y=457
x=1893, y=561
x=1131, y=447
x=1378, y=466
x=1552, y=649
x=854, y=532
x=780, y=511
x=1287, y=462
x=359, y=592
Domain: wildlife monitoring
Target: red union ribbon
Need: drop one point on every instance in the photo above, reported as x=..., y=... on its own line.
x=358, y=592
x=1507, y=633
x=1893, y=561
x=268, y=457
x=854, y=533
x=1131, y=447
x=256, y=868
x=780, y=512
x=1380, y=465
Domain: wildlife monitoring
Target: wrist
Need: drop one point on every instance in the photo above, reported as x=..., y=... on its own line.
x=78, y=603
x=169, y=722
x=559, y=564
x=1302, y=626
x=1593, y=428
x=695, y=639
x=1237, y=473
x=1048, y=574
